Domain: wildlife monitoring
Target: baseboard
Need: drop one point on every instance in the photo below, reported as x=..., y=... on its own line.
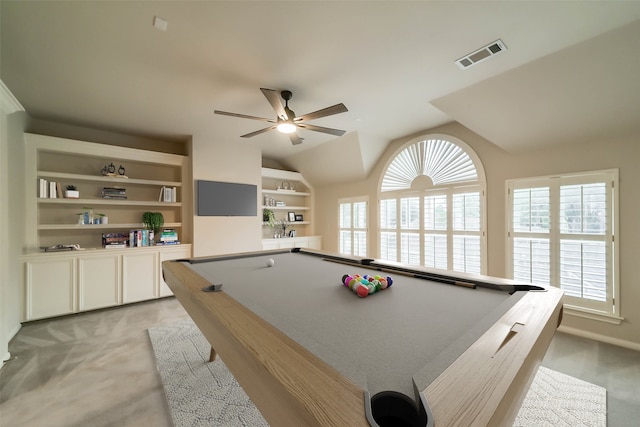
x=597, y=337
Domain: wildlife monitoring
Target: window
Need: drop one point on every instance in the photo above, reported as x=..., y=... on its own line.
x=353, y=227
x=432, y=206
x=562, y=233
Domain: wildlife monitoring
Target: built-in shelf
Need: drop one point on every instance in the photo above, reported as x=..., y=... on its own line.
x=106, y=179
x=277, y=187
x=290, y=208
x=98, y=201
x=146, y=176
x=284, y=192
x=89, y=227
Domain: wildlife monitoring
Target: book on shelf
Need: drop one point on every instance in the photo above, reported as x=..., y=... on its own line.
x=43, y=189
x=115, y=240
x=140, y=238
x=167, y=194
x=114, y=193
x=175, y=242
x=52, y=189
x=59, y=192
x=168, y=235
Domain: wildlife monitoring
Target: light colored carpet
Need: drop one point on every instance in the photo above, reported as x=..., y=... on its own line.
x=206, y=394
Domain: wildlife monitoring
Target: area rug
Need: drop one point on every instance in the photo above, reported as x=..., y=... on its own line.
x=206, y=394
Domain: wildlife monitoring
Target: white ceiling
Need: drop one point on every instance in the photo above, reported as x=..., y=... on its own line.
x=569, y=74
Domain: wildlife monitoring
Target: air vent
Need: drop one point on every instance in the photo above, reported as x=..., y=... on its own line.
x=481, y=54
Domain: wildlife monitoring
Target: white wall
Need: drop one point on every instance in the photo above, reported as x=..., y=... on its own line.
x=12, y=120
x=499, y=165
x=227, y=162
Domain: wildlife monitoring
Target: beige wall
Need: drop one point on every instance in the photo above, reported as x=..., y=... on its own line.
x=12, y=203
x=228, y=162
x=500, y=166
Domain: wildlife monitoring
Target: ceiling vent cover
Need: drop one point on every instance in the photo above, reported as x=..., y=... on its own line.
x=481, y=54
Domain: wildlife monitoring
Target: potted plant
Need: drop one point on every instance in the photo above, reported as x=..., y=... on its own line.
x=269, y=217
x=71, y=192
x=153, y=221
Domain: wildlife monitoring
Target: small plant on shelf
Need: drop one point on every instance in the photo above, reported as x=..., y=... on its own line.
x=269, y=217
x=153, y=221
x=86, y=216
x=71, y=192
x=283, y=224
x=103, y=219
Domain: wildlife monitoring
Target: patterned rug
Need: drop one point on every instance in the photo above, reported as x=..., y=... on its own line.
x=206, y=394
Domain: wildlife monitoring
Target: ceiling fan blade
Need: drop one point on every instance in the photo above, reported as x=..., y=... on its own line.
x=336, y=132
x=258, y=132
x=274, y=99
x=329, y=111
x=295, y=139
x=243, y=116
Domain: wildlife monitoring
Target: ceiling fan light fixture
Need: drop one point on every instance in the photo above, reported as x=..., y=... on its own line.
x=286, y=127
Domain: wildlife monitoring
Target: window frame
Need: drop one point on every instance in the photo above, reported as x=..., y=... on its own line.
x=608, y=310
x=352, y=229
x=450, y=232
x=447, y=186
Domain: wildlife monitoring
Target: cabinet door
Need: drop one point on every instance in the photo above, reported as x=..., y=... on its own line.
x=167, y=255
x=99, y=279
x=50, y=288
x=269, y=244
x=139, y=276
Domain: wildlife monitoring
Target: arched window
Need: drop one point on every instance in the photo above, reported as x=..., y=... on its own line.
x=432, y=206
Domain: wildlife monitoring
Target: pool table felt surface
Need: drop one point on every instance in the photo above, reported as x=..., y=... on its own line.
x=380, y=342
x=485, y=385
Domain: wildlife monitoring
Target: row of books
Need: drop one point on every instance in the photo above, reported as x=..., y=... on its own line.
x=139, y=238
x=114, y=193
x=49, y=189
x=168, y=194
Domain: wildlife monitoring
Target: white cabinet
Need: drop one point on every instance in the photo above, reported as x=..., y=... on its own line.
x=120, y=182
x=50, y=287
x=70, y=282
x=310, y=242
x=167, y=255
x=98, y=281
x=139, y=276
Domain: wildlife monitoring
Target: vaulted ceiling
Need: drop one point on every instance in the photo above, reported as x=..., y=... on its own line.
x=568, y=75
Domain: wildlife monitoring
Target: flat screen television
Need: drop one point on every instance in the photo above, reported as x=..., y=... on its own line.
x=216, y=198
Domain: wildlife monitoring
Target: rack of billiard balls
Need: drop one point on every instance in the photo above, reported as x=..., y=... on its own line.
x=365, y=285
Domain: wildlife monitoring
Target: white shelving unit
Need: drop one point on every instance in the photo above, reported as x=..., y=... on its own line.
x=277, y=185
x=54, y=221
x=58, y=283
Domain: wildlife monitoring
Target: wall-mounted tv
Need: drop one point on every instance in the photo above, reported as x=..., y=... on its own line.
x=216, y=198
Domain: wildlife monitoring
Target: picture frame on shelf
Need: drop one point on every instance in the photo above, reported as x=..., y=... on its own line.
x=291, y=216
x=299, y=217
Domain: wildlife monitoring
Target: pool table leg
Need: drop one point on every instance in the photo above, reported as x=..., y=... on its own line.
x=212, y=355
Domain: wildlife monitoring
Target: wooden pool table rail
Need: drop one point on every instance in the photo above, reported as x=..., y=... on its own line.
x=292, y=386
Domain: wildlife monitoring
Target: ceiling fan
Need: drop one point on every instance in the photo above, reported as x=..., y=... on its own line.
x=287, y=121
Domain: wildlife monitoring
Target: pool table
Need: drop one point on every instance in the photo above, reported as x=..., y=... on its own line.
x=434, y=348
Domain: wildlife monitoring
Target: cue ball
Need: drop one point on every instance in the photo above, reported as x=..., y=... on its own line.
x=270, y=262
